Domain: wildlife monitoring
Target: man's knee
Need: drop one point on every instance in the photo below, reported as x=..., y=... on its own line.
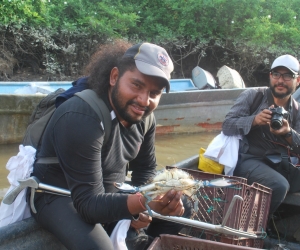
x=280, y=187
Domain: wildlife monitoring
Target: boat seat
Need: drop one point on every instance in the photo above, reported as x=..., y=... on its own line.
x=28, y=234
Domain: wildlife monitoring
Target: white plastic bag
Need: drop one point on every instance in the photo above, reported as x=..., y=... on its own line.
x=224, y=149
x=20, y=167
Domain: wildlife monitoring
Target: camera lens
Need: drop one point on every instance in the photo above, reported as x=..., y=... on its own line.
x=276, y=124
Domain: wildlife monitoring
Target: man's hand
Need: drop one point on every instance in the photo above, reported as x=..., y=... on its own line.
x=263, y=118
x=170, y=204
x=142, y=221
x=283, y=130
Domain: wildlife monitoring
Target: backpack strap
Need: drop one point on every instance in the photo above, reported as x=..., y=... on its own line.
x=257, y=100
x=99, y=107
x=295, y=111
x=244, y=145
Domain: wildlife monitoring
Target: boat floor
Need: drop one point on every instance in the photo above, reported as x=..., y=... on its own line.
x=28, y=234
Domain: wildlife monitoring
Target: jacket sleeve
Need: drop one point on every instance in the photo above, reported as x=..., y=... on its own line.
x=295, y=132
x=143, y=167
x=239, y=121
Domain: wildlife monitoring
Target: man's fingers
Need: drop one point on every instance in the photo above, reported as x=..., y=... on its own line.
x=176, y=208
x=167, y=198
x=174, y=205
x=182, y=211
x=170, y=204
x=263, y=118
x=175, y=201
x=142, y=221
x=145, y=218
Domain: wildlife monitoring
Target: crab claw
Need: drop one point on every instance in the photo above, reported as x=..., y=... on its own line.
x=126, y=188
x=148, y=199
x=220, y=182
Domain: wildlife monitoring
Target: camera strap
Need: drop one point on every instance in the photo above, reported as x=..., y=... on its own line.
x=282, y=163
x=285, y=151
x=257, y=100
x=270, y=98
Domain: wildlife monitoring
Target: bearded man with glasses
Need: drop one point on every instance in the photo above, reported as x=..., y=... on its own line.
x=267, y=152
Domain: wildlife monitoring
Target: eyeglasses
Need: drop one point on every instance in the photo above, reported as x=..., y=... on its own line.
x=286, y=76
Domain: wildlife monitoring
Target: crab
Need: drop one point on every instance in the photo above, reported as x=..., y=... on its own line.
x=164, y=181
x=176, y=179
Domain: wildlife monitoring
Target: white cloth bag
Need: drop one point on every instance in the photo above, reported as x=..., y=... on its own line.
x=20, y=167
x=224, y=149
x=119, y=235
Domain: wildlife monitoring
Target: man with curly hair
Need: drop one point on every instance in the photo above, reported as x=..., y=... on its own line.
x=130, y=81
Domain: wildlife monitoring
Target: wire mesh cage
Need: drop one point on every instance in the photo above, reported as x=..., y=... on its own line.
x=168, y=242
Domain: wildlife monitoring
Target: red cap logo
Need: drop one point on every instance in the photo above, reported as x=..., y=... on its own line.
x=163, y=59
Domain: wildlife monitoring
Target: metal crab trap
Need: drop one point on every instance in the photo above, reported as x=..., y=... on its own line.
x=249, y=215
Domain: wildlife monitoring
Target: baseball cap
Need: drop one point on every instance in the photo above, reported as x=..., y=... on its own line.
x=153, y=60
x=287, y=61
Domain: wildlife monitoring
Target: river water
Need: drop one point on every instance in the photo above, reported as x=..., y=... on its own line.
x=170, y=149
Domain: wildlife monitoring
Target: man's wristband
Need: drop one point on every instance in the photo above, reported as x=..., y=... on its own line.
x=288, y=134
x=140, y=197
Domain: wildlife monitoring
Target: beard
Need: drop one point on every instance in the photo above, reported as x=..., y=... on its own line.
x=122, y=108
x=290, y=90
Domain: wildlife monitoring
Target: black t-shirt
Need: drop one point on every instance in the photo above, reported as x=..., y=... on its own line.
x=75, y=135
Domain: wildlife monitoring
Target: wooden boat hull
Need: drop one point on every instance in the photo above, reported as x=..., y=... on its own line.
x=178, y=112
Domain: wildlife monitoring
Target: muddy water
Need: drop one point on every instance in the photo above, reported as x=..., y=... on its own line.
x=6, y=151
x=170, y=149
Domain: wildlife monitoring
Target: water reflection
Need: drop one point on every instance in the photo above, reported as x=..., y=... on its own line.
x=170, y=149
x=6, y=151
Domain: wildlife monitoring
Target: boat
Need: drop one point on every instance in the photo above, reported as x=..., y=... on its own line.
x=178, y=112
x=192, y=106
x=182, y=110
x=229, y=78
x=283, y=226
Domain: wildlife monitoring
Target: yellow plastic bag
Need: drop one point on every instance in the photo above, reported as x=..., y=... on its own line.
x=208, y=165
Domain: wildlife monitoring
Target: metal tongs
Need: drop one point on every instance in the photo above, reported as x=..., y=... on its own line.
x=35, y=185
x=215, y=228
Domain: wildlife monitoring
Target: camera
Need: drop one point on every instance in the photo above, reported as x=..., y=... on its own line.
x=277, y=115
